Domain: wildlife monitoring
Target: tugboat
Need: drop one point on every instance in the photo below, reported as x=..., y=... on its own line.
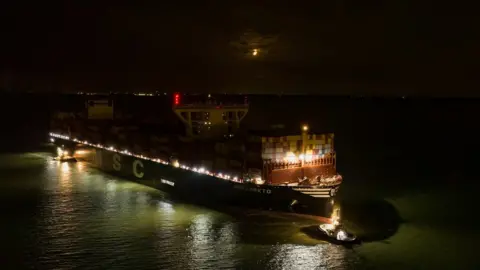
x=336, y=232
x=64, y=155
x=214, y=159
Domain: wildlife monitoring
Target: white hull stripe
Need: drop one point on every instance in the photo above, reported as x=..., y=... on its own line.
x=315, y=192
x=312, y=189
x=321, y=196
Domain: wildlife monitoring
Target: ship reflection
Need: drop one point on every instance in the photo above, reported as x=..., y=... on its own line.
x=111, y=186
x=65, y=167
x=80, y=167
x=111, y=196
x=65, y=177
x=165, y=207
x=211, y=244
x=307, y=257
x=200, y=232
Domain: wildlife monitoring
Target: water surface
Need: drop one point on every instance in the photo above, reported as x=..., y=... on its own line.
x=70, y=216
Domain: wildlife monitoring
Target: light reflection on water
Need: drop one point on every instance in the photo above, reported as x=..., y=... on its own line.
x=211, y=248
x=83, y=218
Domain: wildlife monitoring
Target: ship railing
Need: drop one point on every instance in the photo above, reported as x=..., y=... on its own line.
x=330, y=181
x=322, y=182
x=279, y=165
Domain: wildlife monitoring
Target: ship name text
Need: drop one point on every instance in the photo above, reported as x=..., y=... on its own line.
x=170, y=183
x=254, y=189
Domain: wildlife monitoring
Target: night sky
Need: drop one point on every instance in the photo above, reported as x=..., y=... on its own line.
x=338, y=47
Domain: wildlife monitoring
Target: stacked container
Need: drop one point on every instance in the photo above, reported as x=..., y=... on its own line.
x=278, y=148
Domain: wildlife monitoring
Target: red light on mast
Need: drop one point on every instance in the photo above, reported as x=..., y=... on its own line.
x=176, y=99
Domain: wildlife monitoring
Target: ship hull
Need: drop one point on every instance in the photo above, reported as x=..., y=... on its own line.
x=207, y=189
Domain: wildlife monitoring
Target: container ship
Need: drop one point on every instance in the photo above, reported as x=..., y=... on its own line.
x=212, y=159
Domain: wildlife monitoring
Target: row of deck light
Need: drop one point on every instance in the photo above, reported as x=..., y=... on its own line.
x=291, y=157
x=176, y=164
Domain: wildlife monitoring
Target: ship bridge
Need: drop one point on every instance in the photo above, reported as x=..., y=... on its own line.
x=208, y=117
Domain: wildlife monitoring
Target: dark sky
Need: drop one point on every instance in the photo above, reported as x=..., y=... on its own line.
x=344, y=47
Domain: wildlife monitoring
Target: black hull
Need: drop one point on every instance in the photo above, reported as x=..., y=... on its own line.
x=206, y=189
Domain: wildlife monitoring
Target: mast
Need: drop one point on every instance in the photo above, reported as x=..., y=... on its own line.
x=304, y=143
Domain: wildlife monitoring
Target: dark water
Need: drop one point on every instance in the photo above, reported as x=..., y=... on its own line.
x=69, y=216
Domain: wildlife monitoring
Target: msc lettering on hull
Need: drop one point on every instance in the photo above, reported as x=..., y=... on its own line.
x=137, y=166
x=138, y=169
x=117, y=166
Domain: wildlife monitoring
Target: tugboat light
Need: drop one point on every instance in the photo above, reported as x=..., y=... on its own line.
x=341, y=235
x=336, y=222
